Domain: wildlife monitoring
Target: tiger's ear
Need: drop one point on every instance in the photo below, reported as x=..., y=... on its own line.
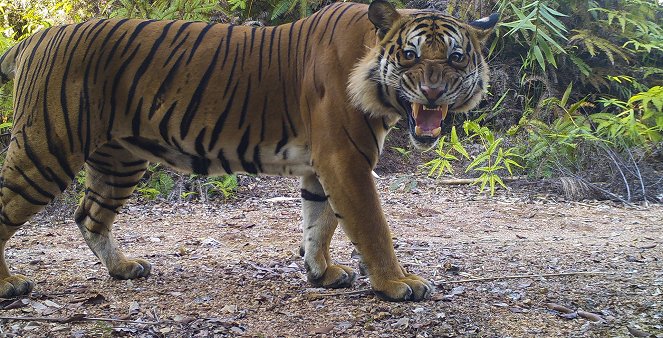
x=485, y=26
x=383, y=15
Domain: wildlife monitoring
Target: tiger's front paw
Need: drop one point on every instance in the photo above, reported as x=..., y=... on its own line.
x=14, y=286
x=130, y=269
x=409, y=288
x=334, y=277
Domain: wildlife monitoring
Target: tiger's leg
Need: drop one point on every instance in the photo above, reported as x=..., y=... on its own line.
x=318, y=227
x=354, y=200
x=31, y=178
x=112, y=174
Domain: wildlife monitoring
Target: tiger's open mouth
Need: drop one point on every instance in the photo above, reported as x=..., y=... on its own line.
x=425, y=123
x=428, y=121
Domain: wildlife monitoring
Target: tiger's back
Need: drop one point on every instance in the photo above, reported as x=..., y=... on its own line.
x=204, y=98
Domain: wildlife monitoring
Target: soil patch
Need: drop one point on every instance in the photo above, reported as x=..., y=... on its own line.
x=233, y=269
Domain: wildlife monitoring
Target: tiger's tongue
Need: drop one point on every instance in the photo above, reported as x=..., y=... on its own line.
x=428, y=122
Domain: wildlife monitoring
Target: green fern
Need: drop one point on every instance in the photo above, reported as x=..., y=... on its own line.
x=592, y=43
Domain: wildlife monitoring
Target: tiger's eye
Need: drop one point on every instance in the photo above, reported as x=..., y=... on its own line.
x=456, y=57
x=409, y=55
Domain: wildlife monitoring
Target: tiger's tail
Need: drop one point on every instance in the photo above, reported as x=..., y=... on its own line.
x=8, y=64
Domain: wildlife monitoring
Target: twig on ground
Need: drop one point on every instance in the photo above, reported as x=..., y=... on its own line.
x=314, y=295
x=483, y=279
x=77, y=319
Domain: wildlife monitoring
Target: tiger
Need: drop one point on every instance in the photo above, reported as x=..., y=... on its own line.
x=313, y=99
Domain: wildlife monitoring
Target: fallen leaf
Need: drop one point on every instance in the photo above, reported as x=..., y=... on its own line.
x=229, y=308
x=635, y=332
x=134, y=308
x=559, y=308
x=94, y=300
x=39, y=307
x=590, y=316
x=403, y=322
x=322, y=329
x=17, y=304
x=75, y=318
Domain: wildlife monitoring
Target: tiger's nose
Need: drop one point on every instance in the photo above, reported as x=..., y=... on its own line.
x=431, y=93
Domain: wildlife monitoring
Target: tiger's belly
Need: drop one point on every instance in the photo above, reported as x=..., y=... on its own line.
x=291, y=159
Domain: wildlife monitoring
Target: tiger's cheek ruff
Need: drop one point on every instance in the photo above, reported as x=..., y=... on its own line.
x=424, y=65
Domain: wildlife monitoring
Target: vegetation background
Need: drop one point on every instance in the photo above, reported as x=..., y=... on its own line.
x=576, y=96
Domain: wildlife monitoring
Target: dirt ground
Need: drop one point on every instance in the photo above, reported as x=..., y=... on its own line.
x=233, y=270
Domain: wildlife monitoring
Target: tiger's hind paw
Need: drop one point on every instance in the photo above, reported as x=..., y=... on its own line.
x=14, y=286
x=335, y=277
x=131, y=269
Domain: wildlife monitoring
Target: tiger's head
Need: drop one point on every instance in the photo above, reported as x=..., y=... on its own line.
x=425, y=64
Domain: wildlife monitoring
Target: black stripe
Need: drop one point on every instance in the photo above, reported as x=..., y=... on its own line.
x=286, y=110
x=174, y=51
x=109, y=34
x=241, y=152
x=63, y=87
x=324, y=31
x=263, y=120
x=126, y=185
x=200, y=165
x=84, y=109
x=19, y=190
x=271, y=45
x=111, y=53
x=163, y=88
x=87, y=215
x=148, y=145
x=256, y=157
x=34, y=184
x=245, y=104
x=292, y=28
x=227, y=51
x=134, y=35
x=198, y=42
x=179, y=32
x=135, y=123
x=224, y=162
x=132, y=163
x=98, y=162
x=218, y=126
x=116, y=84
x=357, y=147
x=243, y=58
x=115, y=198
x=110, y=207
x=231, y=75
x=253, y=38
x=163, y=125
x=143, y=67
x=309, y=196
x=111, y=172
x=260, y=56
x=355, y=18
x=338, y=18
x=278, y=52
x=4, y=218
x=375, y=139
x=284, y=137
x=197, y=97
